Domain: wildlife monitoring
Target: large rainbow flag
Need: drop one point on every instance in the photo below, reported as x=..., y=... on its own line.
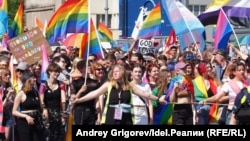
x=71, y=17
x=3, y=16
x=17, y=25
x=152, y=24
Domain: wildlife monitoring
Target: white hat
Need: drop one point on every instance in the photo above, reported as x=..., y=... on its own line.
x=22, y=66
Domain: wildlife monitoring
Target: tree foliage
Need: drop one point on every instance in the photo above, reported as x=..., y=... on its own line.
x=12, y=9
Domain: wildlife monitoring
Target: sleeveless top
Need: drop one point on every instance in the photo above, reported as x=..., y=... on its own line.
x=31, y=102
x=52, y=99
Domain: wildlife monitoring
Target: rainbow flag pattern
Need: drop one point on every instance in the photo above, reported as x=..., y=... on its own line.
x=17, y=26
x=3, y=16
x=106, y=33
x=152, y=24
x=94, y=46
x=71, y=17
x=163, y=115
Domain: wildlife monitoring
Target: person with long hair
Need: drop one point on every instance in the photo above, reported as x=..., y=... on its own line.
x=118, y=108
x=143, y=108
x=27, y=108
x=230, y=89
x=8, y=99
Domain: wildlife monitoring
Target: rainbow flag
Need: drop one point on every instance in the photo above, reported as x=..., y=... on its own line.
x=200, y=91
x=94, y=46
x=3, y=16
x=223, y=32
x=105, y=32
x=152, y=24
x=163, y=115
x=71, y=17
x=17, y=26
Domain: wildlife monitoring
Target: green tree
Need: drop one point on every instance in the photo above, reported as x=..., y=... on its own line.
x=12, y=9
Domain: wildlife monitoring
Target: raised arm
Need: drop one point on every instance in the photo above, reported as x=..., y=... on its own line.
x=94, y=94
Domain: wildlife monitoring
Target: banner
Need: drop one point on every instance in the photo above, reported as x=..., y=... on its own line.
x=28, y=46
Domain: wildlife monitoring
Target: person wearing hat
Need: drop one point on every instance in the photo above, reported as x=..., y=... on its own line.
x=21, y=69
x=182, y=112
x=27, y=108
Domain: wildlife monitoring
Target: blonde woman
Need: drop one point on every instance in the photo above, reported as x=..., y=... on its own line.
x=118, y=108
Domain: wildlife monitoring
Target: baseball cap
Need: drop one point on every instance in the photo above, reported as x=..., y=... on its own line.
x=179, y=65
x=26, y=76
x=22, y=66
x=170, y=66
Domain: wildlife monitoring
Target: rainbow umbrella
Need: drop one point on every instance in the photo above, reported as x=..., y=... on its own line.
x=74, y=40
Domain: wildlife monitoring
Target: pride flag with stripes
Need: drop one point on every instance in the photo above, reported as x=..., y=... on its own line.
x=45, y=64
x=17, y=25
x=3, y=16
x=105, y=32
x=163, y=114
x=71, y=17
x=152, y=24
x=223, y=32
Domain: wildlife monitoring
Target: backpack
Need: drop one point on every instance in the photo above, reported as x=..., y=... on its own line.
x=242, y=114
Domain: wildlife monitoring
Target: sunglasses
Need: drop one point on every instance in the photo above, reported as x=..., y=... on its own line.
x=99, y=69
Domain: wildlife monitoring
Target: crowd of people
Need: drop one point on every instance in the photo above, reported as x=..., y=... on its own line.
x=123, y=88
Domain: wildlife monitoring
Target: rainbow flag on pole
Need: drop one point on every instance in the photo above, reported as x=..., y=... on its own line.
x=105, y=32
x=152, y=24
x=71, y=17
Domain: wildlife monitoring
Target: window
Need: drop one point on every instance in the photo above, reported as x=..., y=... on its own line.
x=101, y=18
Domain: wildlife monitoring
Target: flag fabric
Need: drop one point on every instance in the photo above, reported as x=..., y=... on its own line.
x=138, y=22
x=76, y=40
x=17, y=26
x=94, y=43
x=187, y=26
x=71, y=17
x=39, y=24
x=210, y=16
x=170, y=41
x=105, y=32
x=163, y=114
x=152, y=24
x=3, y=16
x=238, y=12
x=45, y=64
x=223, y=32
x=200, y=91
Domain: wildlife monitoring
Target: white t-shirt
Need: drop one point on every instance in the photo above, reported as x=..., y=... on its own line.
x=231, y=93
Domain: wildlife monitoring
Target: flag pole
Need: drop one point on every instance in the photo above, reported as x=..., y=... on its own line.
x=87, y=62
x=231, y=27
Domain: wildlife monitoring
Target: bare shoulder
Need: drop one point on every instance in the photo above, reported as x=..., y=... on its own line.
x=20, y=95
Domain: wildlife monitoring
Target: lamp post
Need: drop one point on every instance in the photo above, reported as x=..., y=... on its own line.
x=106, y=12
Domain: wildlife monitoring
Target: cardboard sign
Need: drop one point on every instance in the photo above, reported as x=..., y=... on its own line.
x=28, y=46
